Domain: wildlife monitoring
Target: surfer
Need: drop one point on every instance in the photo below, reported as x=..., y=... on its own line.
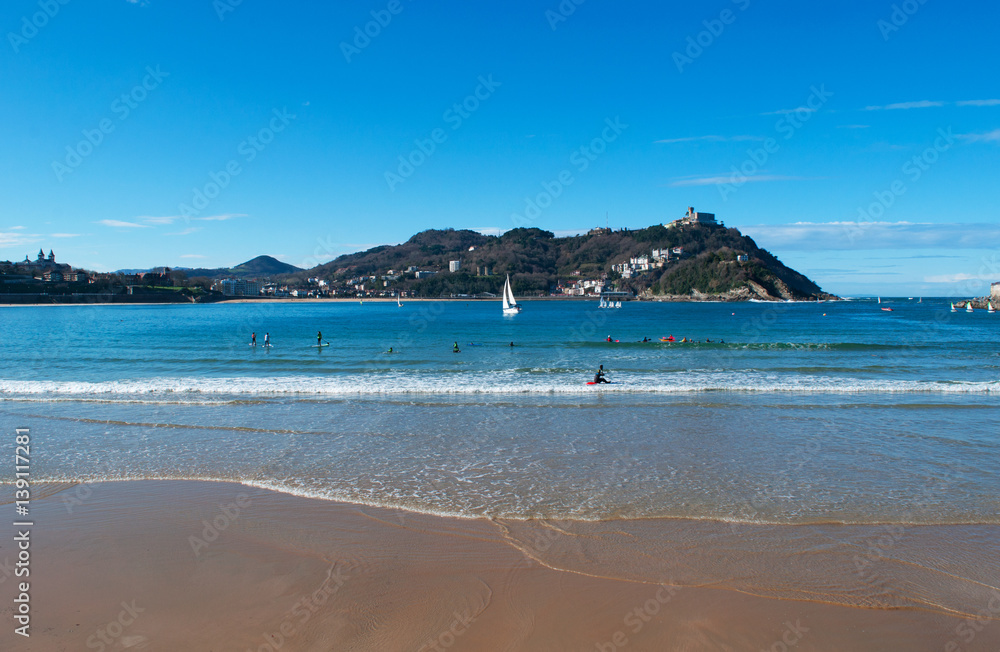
x=645, y=339
x=267, y=339
x=390, y=350
x=253, y=339
x=319, y=338
x=455, y=348
x=512, y=344
x=609, y=339
x=599, y=376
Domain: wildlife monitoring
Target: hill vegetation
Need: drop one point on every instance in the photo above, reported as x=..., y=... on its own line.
x=537, y=261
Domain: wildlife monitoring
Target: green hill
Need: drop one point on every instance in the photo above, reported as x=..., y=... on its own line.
x=536, y=261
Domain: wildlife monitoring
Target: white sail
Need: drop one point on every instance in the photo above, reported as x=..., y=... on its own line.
x=510, y=306
x=968, y=306
x=989, y=307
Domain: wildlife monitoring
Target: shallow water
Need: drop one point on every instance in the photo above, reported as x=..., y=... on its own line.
x=858, y=416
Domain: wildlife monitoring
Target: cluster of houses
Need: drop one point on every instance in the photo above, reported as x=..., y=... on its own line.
x=45, y=269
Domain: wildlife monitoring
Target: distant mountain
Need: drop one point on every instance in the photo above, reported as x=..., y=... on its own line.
x=717, y=262
x=264, y=266
x=259, y=267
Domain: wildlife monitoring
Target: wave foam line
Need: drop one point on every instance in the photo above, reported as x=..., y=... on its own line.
x=499, y=383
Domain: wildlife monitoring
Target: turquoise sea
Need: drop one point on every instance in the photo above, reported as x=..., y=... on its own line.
x=834, y=412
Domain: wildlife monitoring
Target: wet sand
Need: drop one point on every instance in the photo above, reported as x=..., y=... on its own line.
x=184, y=565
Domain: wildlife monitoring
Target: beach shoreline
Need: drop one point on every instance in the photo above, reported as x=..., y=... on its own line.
x=219, y=565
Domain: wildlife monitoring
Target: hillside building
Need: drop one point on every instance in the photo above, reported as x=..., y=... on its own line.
x=237, y=287
x=454, y=265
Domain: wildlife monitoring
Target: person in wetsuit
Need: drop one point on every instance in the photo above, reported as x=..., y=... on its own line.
x=319, y=338
x=599, y=376
x=455, y=348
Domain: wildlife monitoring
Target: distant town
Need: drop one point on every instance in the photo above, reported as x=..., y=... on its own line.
x=692, y=257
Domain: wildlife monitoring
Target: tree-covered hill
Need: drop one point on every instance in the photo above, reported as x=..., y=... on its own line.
x=536, y=261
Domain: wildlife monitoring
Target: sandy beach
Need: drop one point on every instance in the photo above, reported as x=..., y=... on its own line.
x=169, y=565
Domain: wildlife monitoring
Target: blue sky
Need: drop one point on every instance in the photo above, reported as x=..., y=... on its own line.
x=857, y=141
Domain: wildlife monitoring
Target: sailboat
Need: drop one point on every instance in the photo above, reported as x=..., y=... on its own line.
x=953, y=308
x=968, y=306
x=398, y=302
x=510, y=306
x=989, y=307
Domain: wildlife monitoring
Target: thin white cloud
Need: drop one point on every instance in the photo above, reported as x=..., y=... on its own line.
x=17, y=228
x=711, y=138
x=187, y=231
x=119, y=224
x=221, y=218
x=65, y=235
x=798, y=109
x=979, y=103
x=813, y=236
x=17, y=239
x=728, y=178
x=922, y=104
x=988, y=137
x=158, y=220
x=957, y=278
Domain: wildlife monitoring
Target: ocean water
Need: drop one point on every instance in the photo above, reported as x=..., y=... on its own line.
x=808, y=413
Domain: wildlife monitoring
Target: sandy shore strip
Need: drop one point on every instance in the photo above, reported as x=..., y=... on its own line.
x=185, y=565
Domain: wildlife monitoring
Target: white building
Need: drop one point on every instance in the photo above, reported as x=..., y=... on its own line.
x=238, y=287
x=454, y=265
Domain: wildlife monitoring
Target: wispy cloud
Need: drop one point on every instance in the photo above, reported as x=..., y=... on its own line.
x=162, y=220
x=711, y=138
x=65, y=235
x=798, y=109
x=157, y=220
x=221, y=218
x=119, y=224
x=979, y=103
x=988, y=137
x=187, y=231
x=682, y=182
x=922, y=104
x=928, y=104
x=820, y=236
x=957, y=278
x=15, y=239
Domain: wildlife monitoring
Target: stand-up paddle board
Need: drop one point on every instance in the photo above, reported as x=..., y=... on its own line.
x=320, y=346
x=610, y=382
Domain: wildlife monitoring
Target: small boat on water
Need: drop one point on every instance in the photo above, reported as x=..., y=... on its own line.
x=953, y=308
x=989, y=307
x=398, y=302
x=968, y=306
x=510, y=306
x=886, y=309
